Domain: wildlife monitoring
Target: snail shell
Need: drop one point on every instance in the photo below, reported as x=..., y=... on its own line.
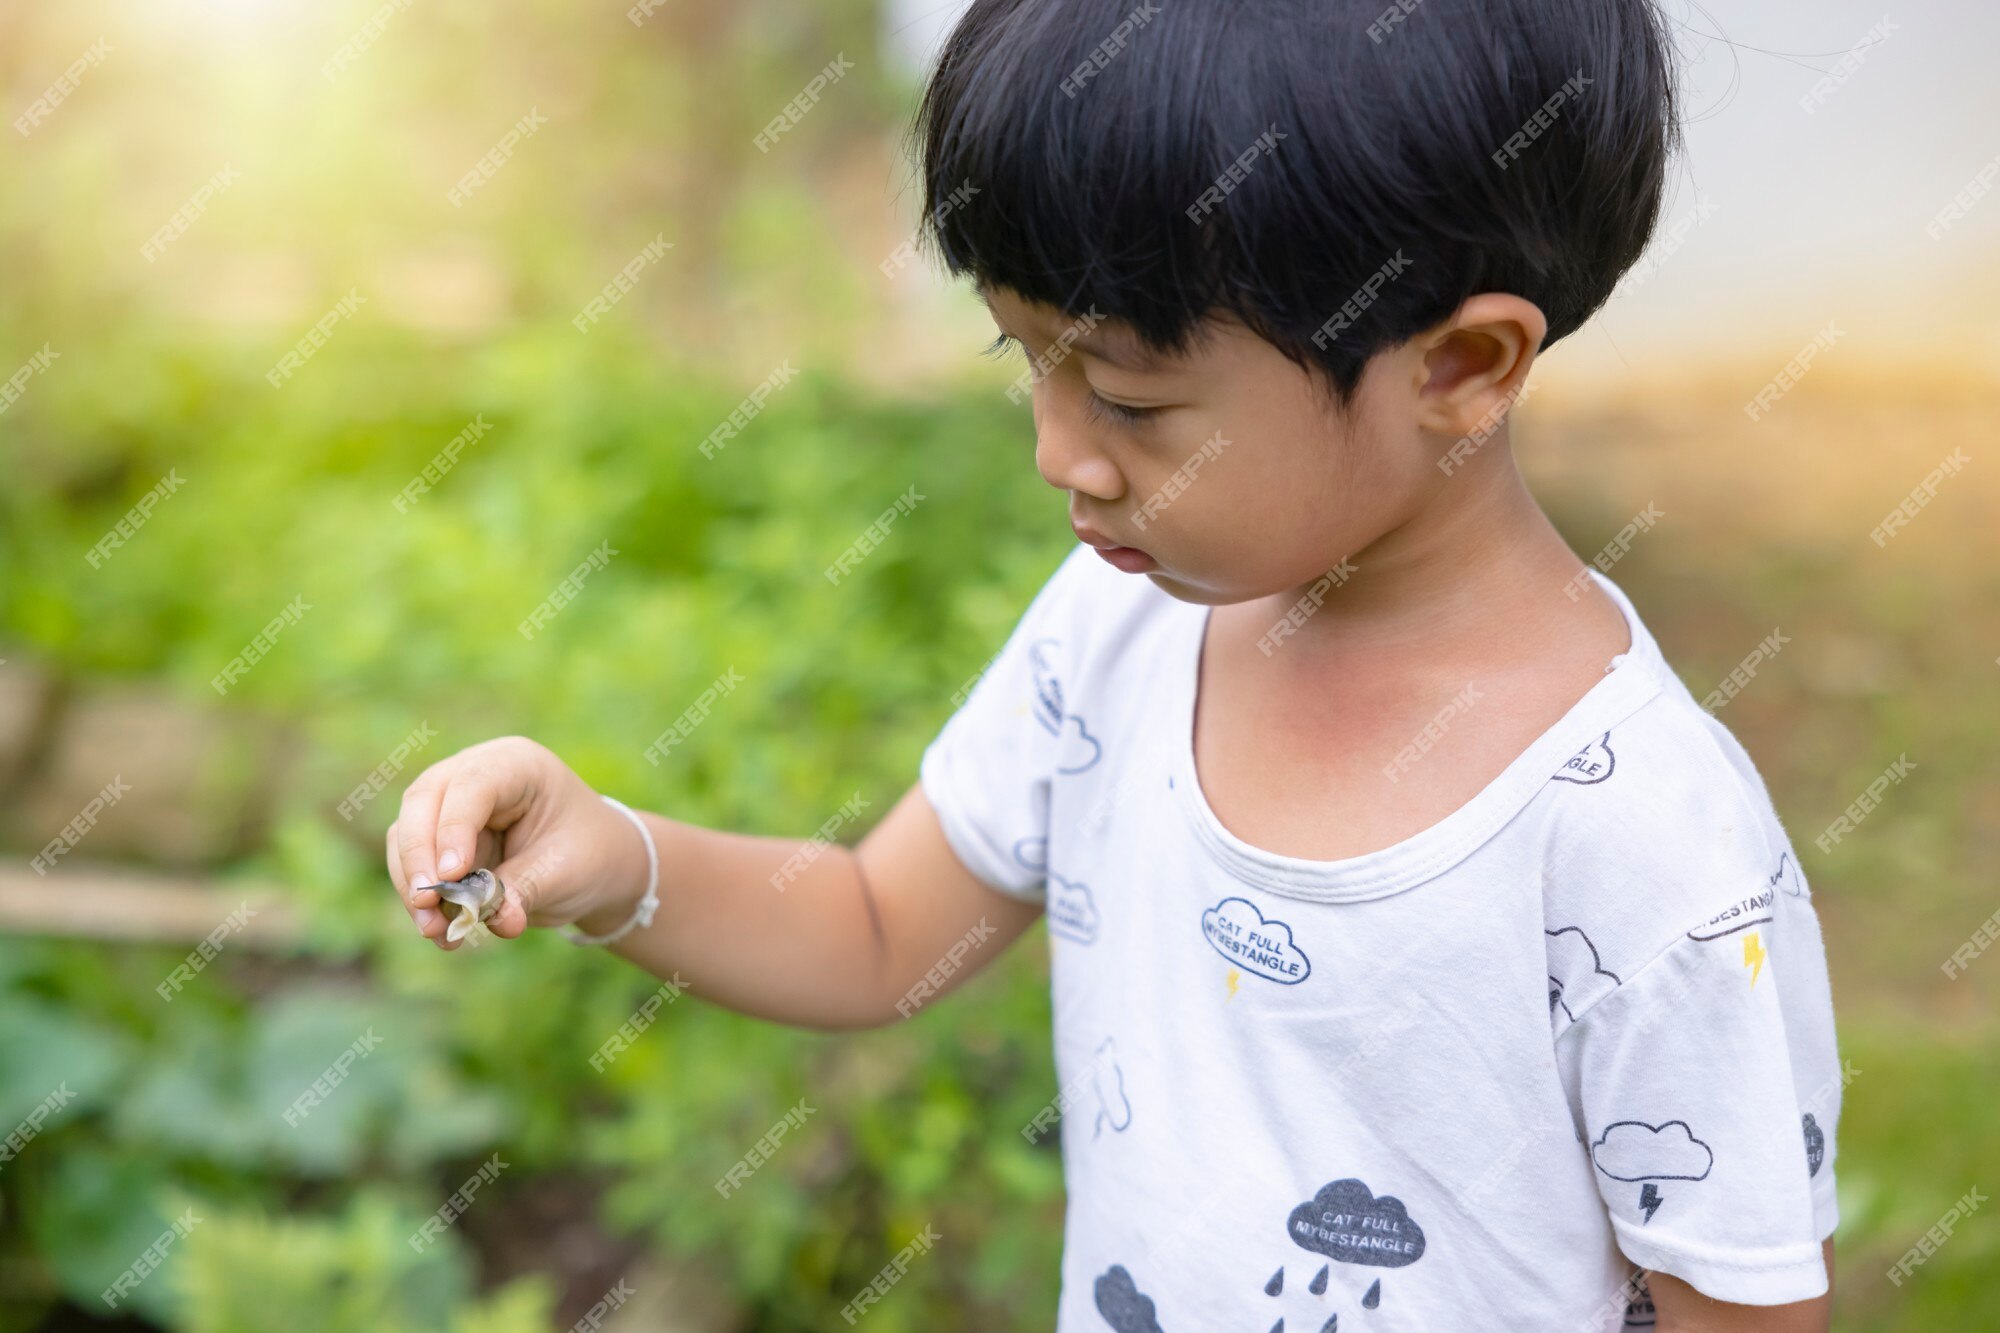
x=466, y=902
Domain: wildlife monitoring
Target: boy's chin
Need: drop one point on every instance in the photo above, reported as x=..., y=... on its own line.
x=1185, y=589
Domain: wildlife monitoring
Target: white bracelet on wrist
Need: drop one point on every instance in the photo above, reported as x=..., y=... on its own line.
x=642, y=915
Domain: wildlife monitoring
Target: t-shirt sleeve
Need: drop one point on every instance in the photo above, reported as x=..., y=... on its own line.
x=1708, y=1087
x=988, y=772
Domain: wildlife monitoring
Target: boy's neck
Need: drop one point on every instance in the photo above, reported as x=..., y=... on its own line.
x=1477, y=568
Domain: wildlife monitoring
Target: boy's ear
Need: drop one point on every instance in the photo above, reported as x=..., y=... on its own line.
x=1476, y=360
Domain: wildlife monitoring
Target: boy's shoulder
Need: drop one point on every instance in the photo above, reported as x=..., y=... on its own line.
x=1660, y=830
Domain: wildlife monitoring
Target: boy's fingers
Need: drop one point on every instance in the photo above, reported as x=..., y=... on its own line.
x=412, y=898
x=416, y=829
x=467, y=805
x=445, y=830
x=421, y=904
x=392, y=857
x=523, y=876
x=511, y=919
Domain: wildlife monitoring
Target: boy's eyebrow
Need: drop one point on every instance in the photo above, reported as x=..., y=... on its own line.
x=1119, y=349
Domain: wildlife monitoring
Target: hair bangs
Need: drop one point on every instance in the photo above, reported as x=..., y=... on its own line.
x=1057, y=157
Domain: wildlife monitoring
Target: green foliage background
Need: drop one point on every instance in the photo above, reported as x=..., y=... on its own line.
x=288, y=493
x=413, y=618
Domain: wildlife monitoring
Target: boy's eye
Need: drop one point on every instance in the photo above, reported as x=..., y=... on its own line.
x=1116, y=414
x=998, y=347
x=1006, y=342
x=1101, y=409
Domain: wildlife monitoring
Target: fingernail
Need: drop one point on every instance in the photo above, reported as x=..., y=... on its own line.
x=448, y=862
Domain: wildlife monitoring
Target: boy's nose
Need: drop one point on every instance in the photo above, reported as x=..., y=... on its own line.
x=1068, y=457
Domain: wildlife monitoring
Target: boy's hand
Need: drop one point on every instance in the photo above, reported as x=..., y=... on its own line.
x=848, y=937
x=512, y=807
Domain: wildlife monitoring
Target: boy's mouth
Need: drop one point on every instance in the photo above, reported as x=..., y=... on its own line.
x=1130, y=559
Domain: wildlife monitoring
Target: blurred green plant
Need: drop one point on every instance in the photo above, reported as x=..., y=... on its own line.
x=289, y=493
x=718, y=564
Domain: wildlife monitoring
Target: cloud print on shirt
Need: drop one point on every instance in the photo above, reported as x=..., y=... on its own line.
x=1262, y=946
x=1079, y=748
x=1634, y=1150
x=1114, y=1108
x=1048, y=688
x=1577, y=977
x=1345, y=1221
x=1590, y=765
x=1787, y=875
x=1071, y=911
x=1122, y=1305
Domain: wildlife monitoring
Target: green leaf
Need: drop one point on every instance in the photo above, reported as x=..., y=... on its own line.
x=103, y=1216
x=49, y=1056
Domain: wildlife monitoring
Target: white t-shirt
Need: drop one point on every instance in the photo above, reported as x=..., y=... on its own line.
x=1472, y=1080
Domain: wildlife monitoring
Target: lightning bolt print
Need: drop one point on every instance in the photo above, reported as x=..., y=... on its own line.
x=1234, y=978
x=1753, y=956
x=1650, y=1201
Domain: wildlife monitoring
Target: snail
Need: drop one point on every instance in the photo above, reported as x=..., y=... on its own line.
x=466, y=902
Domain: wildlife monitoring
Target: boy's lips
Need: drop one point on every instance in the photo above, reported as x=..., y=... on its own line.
x=1128, y=558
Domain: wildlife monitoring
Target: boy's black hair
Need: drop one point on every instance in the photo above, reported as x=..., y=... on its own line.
x=1337, y=174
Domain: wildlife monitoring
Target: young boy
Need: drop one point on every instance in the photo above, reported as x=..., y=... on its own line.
x=1424, y=958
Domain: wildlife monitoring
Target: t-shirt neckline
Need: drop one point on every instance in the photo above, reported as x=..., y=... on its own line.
x=1632, y=678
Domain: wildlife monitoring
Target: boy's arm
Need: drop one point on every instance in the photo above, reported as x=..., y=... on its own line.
x=853, y=935
x=1682, y=1309
x=803, y=932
